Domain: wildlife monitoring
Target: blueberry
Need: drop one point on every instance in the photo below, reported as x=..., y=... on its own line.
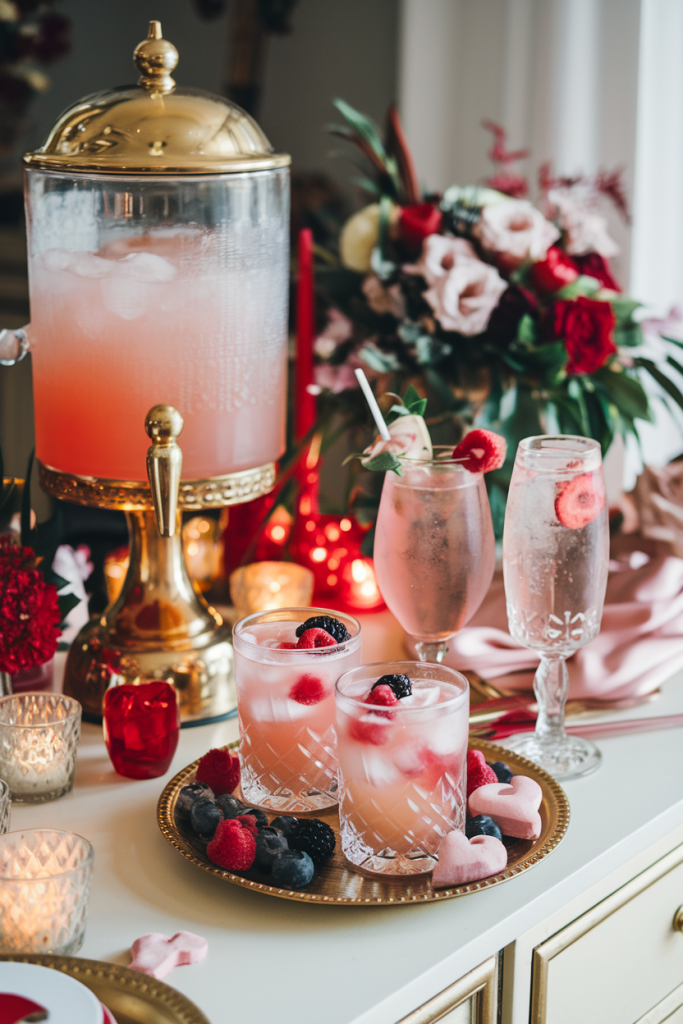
x=502, y=770
x=230, y=805
x=270, y=843
x=261, y=816
x=188, y=795
x=286, y=824
x=205, y=817
x=482, y=825
x=292, y=869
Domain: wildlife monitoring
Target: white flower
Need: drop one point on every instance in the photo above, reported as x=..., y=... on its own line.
x=515, y=230
x=585, y=228
x=464, y=290
x=384, y=300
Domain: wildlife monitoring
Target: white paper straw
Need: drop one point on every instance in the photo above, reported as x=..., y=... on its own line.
x=372, y=402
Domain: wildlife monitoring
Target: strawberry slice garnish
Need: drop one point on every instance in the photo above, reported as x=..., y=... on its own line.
x=480, y=451
x=579, y=501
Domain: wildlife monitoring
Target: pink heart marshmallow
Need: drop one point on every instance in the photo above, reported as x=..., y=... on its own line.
x=513, y=807
x=157, y=955
x=464, y=860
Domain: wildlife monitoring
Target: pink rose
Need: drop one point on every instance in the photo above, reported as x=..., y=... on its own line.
x=585, y=228
x=515, y=231
x=384, y=300
x=463, y=290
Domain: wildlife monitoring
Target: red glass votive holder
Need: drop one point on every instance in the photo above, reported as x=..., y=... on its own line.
x=141, y=727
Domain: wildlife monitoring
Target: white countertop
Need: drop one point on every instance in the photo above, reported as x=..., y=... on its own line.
x=306, y=963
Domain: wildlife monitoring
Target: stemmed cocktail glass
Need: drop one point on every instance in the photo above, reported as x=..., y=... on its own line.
x=434, y=548
x=555, y=554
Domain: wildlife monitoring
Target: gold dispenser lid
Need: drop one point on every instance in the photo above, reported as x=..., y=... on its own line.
x=155, y=127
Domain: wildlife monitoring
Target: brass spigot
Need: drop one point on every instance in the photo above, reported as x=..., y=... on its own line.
x=163, y=424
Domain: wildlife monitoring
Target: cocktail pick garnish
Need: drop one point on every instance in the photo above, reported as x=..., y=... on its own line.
x=372, y=402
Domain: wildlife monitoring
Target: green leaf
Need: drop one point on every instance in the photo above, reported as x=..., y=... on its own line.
x=363, y=125
x=674, y=341
x=66, y=602
x=583, y=285
x=624, y=308
x=625, y=391
x=429, y=350
x=382, y=362
x=527, y=330
x=575, y=391
x=382, y=463
x=414, y=402
x=664, y=382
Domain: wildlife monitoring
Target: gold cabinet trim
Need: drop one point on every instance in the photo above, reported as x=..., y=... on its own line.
x=480, y=980
x=544, y=953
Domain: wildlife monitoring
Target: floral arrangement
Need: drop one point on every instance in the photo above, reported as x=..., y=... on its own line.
x=502, y=313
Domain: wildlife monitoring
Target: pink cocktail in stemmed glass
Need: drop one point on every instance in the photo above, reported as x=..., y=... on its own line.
x=434, y=549
x=285, y=700
x=402, y=767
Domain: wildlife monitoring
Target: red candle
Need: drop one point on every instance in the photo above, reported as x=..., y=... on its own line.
x=141, y=728
x=304, y=409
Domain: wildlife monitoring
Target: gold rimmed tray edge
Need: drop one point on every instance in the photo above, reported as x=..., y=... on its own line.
x=121, y=989
x=338, y=884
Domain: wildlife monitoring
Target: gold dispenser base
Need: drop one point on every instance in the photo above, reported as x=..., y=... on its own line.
x=159, y=627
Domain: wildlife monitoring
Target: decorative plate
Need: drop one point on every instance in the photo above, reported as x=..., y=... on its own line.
x=133, y=997
x=340, y=883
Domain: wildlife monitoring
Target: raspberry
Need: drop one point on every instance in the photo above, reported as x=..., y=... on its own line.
x=233, y=847
x=308, y=690
x=220, y=770
x=480, y=451
x=366, y=730
x=332, y=626
x=248, y=821
x=315, y=638
x=286, y=646
x=314, y=837
x=382, y=694
x=400, y=685
x=579, y=501
x=478, y=772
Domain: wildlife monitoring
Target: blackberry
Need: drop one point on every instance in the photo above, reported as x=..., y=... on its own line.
x=314, y=837
x=188, y=795
x=502, y=770
x=292, y=869
x=400, y=684
x=482, y=825
x=334, y=627
x=270, y=843
x=230, y=805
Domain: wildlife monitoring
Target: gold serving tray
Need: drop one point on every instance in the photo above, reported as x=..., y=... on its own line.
x=133, y=997
x=338, y=883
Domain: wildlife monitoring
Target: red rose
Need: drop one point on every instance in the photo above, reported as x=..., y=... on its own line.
x=586, y=327
x=595, y=265
x=29, y=612
x=554, y=272
x=417, y=222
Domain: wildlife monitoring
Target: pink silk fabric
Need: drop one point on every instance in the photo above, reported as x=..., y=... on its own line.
x=640, y=644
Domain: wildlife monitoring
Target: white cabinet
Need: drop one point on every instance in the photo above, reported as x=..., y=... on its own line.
x=470, y=1000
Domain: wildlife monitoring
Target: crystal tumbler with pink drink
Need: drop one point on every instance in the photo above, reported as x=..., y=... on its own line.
x=285, y=700
x=402, y=732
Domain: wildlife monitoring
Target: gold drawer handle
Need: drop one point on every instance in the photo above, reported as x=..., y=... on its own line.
x=678, y=920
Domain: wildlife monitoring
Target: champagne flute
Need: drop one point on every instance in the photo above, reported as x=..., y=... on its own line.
x=555, y=555
x=434, y=548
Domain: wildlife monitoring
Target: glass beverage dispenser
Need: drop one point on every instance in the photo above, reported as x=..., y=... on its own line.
x=158, y=263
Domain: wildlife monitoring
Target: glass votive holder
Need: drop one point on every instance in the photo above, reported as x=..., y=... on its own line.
x=45, y=877
x=263, y=586
x=141, y=723
x=39, y=734
x=5, y=807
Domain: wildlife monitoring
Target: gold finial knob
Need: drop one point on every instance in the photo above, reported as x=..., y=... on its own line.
x=163, y=424
x=155, y=59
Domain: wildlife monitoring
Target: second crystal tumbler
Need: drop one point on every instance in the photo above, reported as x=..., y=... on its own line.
x=39, y=735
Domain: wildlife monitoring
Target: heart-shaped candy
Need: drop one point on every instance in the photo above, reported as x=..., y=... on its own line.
x=464, y=860
x=157, y=955
x=513, y=807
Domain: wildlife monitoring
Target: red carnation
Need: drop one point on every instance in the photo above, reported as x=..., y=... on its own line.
x=417, y=222
x=586, y=327
x=554, y=272
x=29, y=612
x=595, y=265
